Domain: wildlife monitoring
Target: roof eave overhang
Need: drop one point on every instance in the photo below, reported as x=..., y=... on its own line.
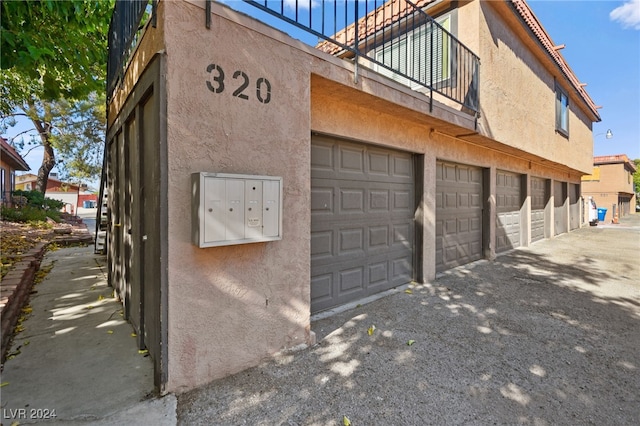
x=530, y=28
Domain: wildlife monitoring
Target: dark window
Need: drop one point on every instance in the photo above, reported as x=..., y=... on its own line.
x=410, y=54
x=562, y=111
x=2, y=188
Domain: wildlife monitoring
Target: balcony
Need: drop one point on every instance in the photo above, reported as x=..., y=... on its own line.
x=395, y=38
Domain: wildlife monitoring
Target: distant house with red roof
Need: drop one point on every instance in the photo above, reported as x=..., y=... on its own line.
x=68, y=193
x=10, y=162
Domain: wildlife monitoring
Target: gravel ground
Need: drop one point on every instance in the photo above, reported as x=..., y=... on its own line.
x=544, y=335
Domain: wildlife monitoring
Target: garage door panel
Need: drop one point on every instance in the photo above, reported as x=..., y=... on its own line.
x=322, y=287
x=378, y=273
x=321, y=244
x=508, y=204
x=379, y=163
x=379, y=200
x=351, y=280
x=351, y=240
x=459, y=215
x=402, y=269
x=402, y=200
x=450, y=200
x=352, y=200
x=322, y=159
x=560, y=213
x=371, y=244
x=379, y=237
x=321, y=200
x=351, y=160
x=402, y=235
x=403, y=166
x=539, y=198
x=574, y=206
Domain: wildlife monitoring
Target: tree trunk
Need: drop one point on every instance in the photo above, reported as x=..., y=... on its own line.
x=48, y=159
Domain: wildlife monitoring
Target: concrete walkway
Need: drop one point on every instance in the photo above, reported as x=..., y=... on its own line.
x=76, y=358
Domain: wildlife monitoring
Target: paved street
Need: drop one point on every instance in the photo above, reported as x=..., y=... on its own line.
x=88, y=217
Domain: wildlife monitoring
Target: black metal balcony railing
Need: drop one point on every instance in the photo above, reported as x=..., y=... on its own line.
x=394, y=37
x=123, y=28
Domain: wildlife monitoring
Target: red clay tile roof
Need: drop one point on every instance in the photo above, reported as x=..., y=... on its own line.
x=532, y=22
x=15, y=159
x=614, y=159
x=389, y=12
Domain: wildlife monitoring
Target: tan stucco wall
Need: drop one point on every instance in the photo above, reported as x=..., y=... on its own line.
x=613, y=180
x=517, y=95
x=229, y=307
x=219, y=320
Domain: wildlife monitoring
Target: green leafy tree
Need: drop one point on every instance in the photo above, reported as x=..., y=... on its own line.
x=71, y=133
x=52, y=62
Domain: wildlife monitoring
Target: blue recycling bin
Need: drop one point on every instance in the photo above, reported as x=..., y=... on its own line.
x=602, y=212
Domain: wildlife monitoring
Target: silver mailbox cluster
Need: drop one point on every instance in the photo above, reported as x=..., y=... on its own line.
x=235, y=209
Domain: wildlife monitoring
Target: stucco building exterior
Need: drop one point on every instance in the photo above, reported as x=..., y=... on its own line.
x=381, y=184
x=10, y=162
x=611, y=185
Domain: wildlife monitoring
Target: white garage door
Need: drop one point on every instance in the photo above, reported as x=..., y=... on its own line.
x=559, y=206
x=508, y=204
x=458, y=214
x=574, y=206
x=539, y=198
x=362, y=221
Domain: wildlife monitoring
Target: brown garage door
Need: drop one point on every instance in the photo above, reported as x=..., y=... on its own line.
x=458, y=214
x=508, y=204
x=362, y=221
x=539, y=198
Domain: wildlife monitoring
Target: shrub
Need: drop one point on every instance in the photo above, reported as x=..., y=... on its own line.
x=29, y=214
x=38, y=200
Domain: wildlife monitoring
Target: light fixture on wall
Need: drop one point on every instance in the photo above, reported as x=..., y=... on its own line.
x=607, y=135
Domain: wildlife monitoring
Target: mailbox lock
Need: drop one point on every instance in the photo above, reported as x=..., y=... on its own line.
x=231, y=209
x=210, y=210
x=249, y=208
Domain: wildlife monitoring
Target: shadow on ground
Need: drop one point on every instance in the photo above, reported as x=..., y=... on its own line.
x=544, y=335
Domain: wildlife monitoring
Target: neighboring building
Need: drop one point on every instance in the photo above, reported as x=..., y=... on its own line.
x=611, y=185
x=87, y=199
x=56, y=190
x=10, y=162
x=382, y=185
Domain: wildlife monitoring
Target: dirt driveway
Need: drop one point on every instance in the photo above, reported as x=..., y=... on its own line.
x=544, y=335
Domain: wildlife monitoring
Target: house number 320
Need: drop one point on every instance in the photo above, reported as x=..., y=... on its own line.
x=216, y=83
